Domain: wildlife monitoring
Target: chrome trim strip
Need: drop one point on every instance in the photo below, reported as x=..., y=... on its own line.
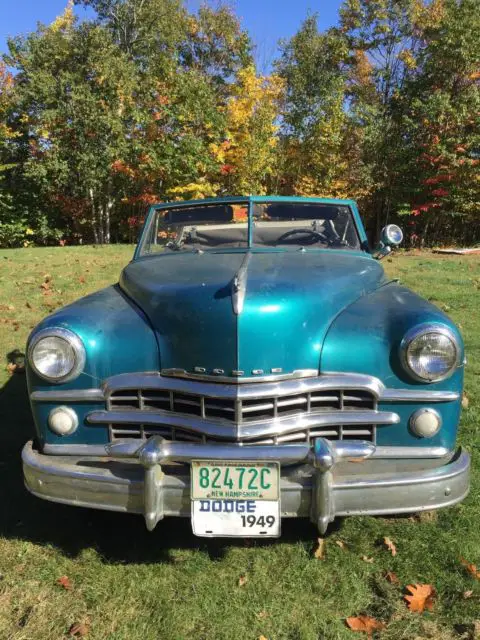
x=239, y=285
x=418, y=395
x=243, y=431
x=385, y=452
x=204, y=377
x=73, y=395
x=380, y=453
x=264, y=389
x=74, y=449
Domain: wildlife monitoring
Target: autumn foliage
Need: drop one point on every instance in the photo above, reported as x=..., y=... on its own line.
x=101, y=118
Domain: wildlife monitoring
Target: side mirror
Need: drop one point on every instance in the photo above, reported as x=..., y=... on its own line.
x=391, y=236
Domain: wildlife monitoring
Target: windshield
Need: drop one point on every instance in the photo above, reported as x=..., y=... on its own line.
x=274, y=224
x=197, y=227
x=290, y=224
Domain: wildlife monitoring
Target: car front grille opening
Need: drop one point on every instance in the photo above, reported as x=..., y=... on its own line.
x=241, y=410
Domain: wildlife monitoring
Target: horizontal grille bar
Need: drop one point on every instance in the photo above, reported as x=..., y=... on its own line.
x=123, y=431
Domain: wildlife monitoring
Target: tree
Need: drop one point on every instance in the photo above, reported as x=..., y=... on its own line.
x=441, y=116
x=75, y=92
x=314, y=121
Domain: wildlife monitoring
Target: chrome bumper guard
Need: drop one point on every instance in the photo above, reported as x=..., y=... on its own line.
x=332, y=478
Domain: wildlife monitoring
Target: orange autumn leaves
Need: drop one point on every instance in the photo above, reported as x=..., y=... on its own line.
x=418, y=597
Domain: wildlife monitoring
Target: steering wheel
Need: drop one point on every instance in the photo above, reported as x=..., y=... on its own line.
x=315, y=236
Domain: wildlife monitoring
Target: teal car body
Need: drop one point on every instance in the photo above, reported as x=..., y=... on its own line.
x=323, y=310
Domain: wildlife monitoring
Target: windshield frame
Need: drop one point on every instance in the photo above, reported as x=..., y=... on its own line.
x=250, y=202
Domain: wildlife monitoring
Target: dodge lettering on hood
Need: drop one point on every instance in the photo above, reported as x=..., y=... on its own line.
x=252, y=354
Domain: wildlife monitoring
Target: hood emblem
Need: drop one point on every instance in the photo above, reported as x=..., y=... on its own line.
x=239, y=286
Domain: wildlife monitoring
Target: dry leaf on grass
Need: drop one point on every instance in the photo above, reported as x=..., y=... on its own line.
x=262, y=615
x=422, y=597
x=367, y=559
x=365, y=624
x=391, y=577
x=464, y=401
x=471, y=568
x=64, y=581
x=262, y=638
x=319, y=552
x=242, y=581
x=467, y=594
x=390, y=546
x=78, y=630
x=15, y=367
x=340, y=544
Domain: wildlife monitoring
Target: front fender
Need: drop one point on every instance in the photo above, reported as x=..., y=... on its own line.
x=117, y=338
x=365, y=338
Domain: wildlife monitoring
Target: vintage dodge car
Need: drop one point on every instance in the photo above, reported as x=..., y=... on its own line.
x=253, y=362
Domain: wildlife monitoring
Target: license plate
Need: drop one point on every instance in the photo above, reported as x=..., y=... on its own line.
x=232, y=498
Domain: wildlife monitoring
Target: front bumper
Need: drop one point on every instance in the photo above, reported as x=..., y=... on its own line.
x=329, y=480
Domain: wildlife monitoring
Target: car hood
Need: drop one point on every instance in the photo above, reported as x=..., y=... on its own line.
x=291, y=298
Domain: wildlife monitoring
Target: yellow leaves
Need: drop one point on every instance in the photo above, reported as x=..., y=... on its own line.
x=427, y=16
x=408, y=59
x=252, y=113
x=363, y=68
x=65, y=20
x=194, y=190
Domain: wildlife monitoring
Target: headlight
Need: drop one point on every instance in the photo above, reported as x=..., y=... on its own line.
x=430, y=352
x=58, y=355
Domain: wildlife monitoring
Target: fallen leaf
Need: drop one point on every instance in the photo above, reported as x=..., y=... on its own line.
x=81, y=280
x=340, y=544
x=28, y=305
x=471, y=568
x=390, y=546
x=367, y=559
x=365, y=624
x=391, y=577
x=262, y=638
x=262, y=615
x=422, y=597
x=467, y=594
x=242, y=581
x=64, y=581
x=319, y=553
x=78, y=630
x=465, y=401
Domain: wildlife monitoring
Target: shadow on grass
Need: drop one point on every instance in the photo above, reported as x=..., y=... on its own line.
x=117, y=537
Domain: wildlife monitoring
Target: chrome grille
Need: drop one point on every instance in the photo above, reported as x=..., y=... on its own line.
x=351, y=432
x=238, y=410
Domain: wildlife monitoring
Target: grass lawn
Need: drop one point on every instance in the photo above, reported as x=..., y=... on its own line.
x=127, y=583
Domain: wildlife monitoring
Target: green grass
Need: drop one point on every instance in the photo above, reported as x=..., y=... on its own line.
x=169, y=585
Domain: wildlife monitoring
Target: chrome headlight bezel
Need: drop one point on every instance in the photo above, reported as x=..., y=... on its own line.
x=423, y=329
x=74, y=342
